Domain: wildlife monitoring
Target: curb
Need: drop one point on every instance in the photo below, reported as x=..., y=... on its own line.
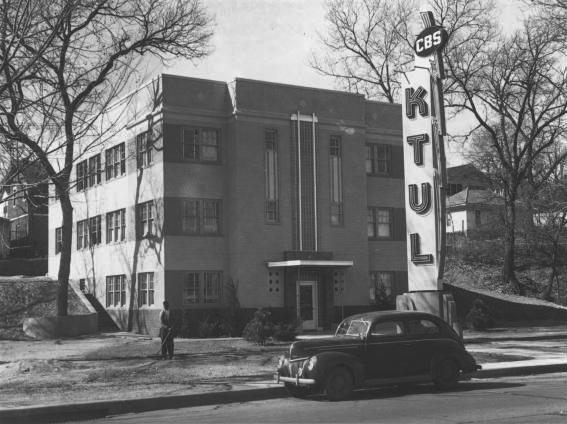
x=481, y=339
x=521, y=370
x=102, y=409
x=97, y=410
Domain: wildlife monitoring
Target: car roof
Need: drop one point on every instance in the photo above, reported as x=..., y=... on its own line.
x=371, y=316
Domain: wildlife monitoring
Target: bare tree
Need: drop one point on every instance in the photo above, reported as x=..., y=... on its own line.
x=85, y=66
x=551, y=227
x=369, y=43
x=554, y=11
x=515, y=86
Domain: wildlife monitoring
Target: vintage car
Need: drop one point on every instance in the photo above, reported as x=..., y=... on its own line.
x=385, y=347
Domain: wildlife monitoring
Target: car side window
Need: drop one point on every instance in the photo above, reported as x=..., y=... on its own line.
x=387, y=328
x=420, y=327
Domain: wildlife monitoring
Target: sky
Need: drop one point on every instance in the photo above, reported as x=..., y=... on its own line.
x=272, y=40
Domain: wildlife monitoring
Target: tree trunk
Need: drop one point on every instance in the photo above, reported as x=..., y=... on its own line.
x=549, y=288
x=509, y=267
x=65, y=259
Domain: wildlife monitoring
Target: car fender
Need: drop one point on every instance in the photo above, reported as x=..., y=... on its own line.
x=326, y=361
x=451, y=354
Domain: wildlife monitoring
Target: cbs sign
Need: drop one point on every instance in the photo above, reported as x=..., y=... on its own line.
x=430, y=40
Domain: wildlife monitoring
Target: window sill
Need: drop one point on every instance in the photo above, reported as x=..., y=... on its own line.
x=115, y=243
x=200, y=234
x=142, y=167
x=380, y=175
x=202, y=305
x=202, y=162
x=119, y=177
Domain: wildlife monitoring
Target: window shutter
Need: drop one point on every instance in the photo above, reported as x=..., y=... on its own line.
x=397, y=164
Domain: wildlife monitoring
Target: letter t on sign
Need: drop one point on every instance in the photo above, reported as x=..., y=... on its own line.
x=417, y=141
x=415, y=98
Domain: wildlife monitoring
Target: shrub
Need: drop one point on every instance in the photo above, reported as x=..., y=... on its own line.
x=286, y=332
x=383, y=300
x=209, y=327
x=479, y=317
x=259, y=328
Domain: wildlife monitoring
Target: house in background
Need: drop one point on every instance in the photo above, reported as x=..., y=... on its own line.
x=463, y=176
x=475, y=212
x=24, y=205
x=294, y=193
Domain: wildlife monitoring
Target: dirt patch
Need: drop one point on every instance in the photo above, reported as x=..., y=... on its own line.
x=128, y=368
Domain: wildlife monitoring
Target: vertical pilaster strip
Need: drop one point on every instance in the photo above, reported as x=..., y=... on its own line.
x=299, y=181
x=314, y=179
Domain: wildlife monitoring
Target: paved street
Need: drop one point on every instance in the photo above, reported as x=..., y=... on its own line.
x=538, y=399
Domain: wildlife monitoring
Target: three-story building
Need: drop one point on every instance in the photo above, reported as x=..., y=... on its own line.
x=294, y=194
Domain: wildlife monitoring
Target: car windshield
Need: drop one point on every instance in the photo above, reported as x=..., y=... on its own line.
x=355, y=328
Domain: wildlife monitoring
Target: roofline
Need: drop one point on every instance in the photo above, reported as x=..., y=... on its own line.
x=281, y=84
x=193, y=78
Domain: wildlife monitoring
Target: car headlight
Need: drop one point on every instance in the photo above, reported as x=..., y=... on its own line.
x=282, y=362
x=311, y=363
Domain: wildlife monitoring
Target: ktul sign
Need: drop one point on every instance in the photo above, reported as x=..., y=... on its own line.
x=424, y=160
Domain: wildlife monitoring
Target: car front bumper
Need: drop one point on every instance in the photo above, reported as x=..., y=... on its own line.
x=298, y=381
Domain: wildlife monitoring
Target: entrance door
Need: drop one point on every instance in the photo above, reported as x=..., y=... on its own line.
x=307, y=304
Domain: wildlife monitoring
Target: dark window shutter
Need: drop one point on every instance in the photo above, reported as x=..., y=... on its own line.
x=397, y=165
x=400, y=282
x=398, y=224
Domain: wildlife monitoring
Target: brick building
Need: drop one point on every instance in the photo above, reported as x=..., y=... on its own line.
x=23, y=205
x=294, y=193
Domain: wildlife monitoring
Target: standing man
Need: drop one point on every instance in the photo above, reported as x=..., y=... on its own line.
x=166, y=331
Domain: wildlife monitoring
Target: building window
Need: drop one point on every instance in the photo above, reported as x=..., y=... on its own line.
x=145, y=214
x=116, y=226
x=95, y=170
x=379, y=223
x=191, y=288
x=58, y=239
x=144, y=149
x=146, y=288
x=271, y=207
x=115, y=290
x=453, y=189
x=19, y=228
x=212, y=287
x=477, y=220
x=190, y=220
x=211, y=216
x=335, y=163
x=201, y=144
x=201, y=216
x=378, y=159
x=82, y=234
x=95, y=230
x=115, y=161
x=208, y=292
x=383, y=281
x=82, y=175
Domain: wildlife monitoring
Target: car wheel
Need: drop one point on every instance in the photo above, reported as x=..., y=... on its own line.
x=297, y=391
x=446, y=374
x=339, y=384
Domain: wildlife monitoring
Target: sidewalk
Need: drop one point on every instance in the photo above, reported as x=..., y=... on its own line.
x=208, y=371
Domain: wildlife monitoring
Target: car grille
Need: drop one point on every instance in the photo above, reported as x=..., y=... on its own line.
x=294, y=368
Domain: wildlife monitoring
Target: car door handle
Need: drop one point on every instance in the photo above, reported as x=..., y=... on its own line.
x=408, y=344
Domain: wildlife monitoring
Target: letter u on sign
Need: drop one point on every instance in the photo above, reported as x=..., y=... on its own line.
x=425, y=205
